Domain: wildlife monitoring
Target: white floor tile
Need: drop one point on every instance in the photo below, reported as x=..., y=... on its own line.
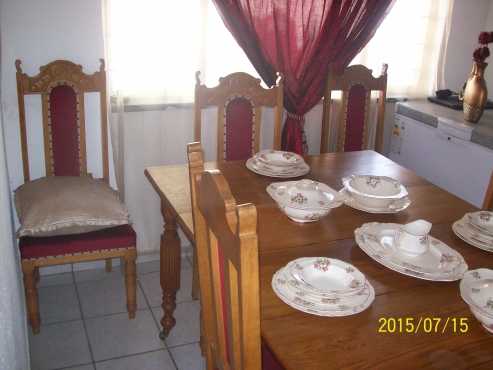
x=56, y=279
x=58, y=303
x=107, y=296
x=147, y=361
x=98, y=274
x=151, y=286
x=59, y=345
x=187, y=328
x=116, y=335
x=147, y=267
x=188, y=357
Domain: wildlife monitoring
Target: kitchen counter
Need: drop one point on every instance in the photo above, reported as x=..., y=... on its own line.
x=429, y=113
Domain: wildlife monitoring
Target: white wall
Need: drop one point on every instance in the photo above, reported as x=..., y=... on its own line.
x=468, y=20
x=14, y=354
x=38, y=32
x=489, y=27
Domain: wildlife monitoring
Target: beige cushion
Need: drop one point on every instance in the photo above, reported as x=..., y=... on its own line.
x=62, y=205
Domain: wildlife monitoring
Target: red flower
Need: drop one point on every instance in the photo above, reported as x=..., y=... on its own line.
x=485, y=38
x=481, y=53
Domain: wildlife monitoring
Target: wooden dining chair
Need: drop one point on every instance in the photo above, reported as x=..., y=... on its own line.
x=356, y=84
x=227, y=251
x=62, y=85
x=488, y=195
x=239, y=99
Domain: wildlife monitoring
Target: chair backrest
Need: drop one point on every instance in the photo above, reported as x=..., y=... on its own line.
x=227, y=252
x=356, y=84
x=62, y=85
x=488, y=195
x=239, y=98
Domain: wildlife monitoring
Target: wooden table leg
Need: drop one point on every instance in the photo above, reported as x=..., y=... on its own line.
x=170, y=268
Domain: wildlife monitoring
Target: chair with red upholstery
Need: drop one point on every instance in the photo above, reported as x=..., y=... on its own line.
x=239, y=99
x=62, y=85
x=228, y=262
x=356, y=83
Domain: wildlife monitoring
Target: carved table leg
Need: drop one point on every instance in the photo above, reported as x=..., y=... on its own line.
x=170, y=269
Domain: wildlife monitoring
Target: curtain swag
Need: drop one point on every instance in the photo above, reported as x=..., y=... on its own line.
x=301, y=39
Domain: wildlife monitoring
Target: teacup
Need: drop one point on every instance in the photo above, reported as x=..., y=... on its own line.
x=413, y=237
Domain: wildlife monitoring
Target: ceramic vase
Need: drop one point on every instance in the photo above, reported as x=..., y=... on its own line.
x=475, y=93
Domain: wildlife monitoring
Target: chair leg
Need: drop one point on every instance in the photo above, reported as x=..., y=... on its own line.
x=31, y=291
x=131, y=285
x=195, y=277
x=108, y=265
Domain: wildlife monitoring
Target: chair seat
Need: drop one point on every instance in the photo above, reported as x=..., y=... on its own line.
x=112, y=238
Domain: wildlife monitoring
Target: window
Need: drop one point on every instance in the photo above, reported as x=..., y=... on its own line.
x=155, y=47
x=409, y=41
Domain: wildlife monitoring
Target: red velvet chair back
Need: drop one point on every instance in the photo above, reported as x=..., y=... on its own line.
x=62, y=85
x=239, y=99
x=239, y=127
x=356, y=83
x=65, y=134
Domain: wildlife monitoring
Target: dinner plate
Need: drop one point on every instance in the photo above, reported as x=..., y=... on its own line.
x=440, y=263
x=279, y=158
x=482, y=220
x=253, y=165
x=328, y=276
x=464, y=232
x=343, y=306
x=395, y=207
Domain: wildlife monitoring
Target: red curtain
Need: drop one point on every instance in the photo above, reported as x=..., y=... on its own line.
x=300, y=38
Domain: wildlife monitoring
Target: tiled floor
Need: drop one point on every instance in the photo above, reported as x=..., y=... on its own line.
x=85, y=325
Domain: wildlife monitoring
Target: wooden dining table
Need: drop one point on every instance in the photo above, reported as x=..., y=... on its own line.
x=377, y=338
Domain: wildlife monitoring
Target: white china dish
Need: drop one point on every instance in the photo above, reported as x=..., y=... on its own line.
x=483, y=221
x=464, y=230
x=413, y=237
x=326, y=276
x=334, y=306
x=439, y=263
x=279, y=158
x=289, y=172
x=304, y=200
x=374, y=191
x=395, y=206
x=476, y=289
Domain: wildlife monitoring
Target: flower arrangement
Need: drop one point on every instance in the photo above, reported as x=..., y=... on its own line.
x=483, y=52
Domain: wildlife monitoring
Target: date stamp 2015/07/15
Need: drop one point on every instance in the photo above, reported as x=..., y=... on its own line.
x=427, y=325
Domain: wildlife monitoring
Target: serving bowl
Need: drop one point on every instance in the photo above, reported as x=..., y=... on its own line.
x=476, y=289
x=304, y=200
x=374, y=191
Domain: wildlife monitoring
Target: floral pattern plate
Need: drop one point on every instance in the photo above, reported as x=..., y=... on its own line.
x=326, y=276
x=440, y=263
x=259, y=168
x=395, y=207
x=463, y=229
x=331, y=307
x=279, y=158
x=483, y=221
